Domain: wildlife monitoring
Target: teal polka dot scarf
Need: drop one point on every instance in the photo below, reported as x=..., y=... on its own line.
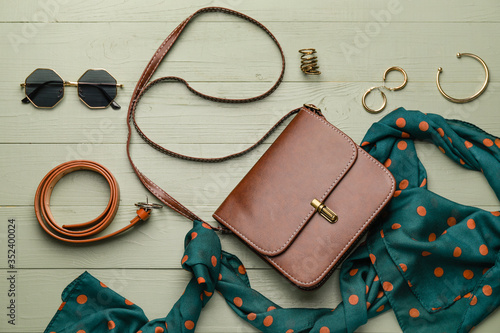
x=433, y=261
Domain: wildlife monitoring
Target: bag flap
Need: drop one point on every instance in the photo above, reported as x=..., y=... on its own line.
x=272, y=203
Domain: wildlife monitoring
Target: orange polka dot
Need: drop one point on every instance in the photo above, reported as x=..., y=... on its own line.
x=468, y=295
x=268, y=321
x=353, y=271
x=421, y=210
x=485, y=270
x=81, y=331
x=206, y=225
x=368, y=305
x=189, y=324
x=324, y=329
x=424, y=182
x=473, y=301
x=405, y=135
x=396, y=226
x=457, y=298
x=251, y=316
x=457, y=252
x=483, y=249
x=381, y=308
x=373, y=258
x=208, y=293
x=414, y=313
x=201, y=297
x=400, y=122
x=468, y=274
x=380, y=294
x=271, y=308
x=367, y=289
x=410, y=285
x=289, y=331
x=366, y=143
x=166, y=325
x=387, y=163
x=442, y=149
x=487, y=290
x=424, y=126
x=403, y=267
x=451, y=221
x=450, y=140
x=194, y=235
x=488, y=142
x=382, y=233
x=426, y=253
x=435, y=309
x=376, y=276
x=82, y=299
x=159, y=329
x=468, y=145
x=432, y=237
x=462, y=161
x=495, y=213
x=404, y=184
x=184, y=259
x=353, y=299
x=471, y=224
x=241, y=269
x=201, y=280
x=220, y=277
x=129, y=302
x=111, y=325
x=497, y=142
x=238, y=301
x=402, y=145
x=62, y=306
x=440, y=131
x=444, y=232
x=397, y=193
x=103, y=285
x=438, y=272
x=214, y=261
x=387, y=286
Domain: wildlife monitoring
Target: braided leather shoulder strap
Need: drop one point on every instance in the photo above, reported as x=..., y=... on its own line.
x=144, y=84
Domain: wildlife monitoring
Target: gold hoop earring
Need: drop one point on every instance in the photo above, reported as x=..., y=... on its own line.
x=390, y=69
x=476, y=95
x=366, y=106
x=399, y=69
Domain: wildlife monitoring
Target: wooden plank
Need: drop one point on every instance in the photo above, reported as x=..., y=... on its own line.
x=43, y=287
x=170, y=115
x=313, y=11
x=345, y=53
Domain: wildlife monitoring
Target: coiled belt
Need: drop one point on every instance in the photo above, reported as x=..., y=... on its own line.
x=82, y=232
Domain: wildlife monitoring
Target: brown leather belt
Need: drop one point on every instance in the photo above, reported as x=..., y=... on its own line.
x=81, y=232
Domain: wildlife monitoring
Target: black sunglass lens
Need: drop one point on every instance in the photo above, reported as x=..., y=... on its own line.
x=97, y=88
x=44, y=88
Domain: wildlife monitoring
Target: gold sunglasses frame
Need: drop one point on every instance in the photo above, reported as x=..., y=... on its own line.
x=71, y=84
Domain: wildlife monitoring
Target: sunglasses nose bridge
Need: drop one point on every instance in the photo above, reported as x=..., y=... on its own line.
x=70, y=84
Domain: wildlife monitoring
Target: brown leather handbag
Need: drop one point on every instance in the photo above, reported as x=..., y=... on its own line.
x=308, y=199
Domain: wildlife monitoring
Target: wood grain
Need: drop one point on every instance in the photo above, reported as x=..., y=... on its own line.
x=227, y=57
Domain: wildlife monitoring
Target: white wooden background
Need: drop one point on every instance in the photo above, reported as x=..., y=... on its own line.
x=221, y=55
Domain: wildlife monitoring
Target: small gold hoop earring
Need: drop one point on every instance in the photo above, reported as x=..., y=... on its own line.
x=399, y=69
x=366, y=106
x=476, y=95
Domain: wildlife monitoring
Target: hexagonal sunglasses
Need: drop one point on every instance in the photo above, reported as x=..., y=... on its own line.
x=97, y=88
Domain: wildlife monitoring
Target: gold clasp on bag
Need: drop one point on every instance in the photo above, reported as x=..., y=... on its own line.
x=324, y=211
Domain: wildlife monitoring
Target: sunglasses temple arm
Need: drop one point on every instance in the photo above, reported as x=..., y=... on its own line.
x=114, y=105
x=32, y=94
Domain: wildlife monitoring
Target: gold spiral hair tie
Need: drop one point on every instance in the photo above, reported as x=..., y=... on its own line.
x=309, y=62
